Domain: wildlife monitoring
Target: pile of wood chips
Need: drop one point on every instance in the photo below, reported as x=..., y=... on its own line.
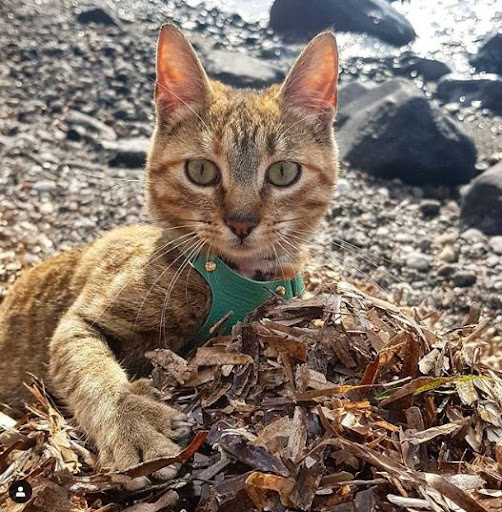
x=339, y=401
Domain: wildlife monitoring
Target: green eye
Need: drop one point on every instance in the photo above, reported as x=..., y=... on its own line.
x=283, y=174
x=202, y=172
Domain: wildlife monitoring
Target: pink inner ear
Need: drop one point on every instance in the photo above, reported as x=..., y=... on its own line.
x=180, y=77
x=312, y=83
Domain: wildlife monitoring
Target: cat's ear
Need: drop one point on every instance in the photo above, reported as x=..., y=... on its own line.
x=311, y=85
x=181, y=79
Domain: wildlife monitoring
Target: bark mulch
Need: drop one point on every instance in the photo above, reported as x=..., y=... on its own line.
x=339, y=401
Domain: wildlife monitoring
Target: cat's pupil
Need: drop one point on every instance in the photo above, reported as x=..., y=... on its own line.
x=201, y=170
x=282, y=171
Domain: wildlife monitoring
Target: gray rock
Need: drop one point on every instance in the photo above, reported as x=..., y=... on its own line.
x=473, y=236
x=45, y=186
x=449, y=254
x=301, y=19
x=347, y=93
x=96, y=15
x=394, y=131
x=410, y=64
x=418, y=261
x=482, y=202
x=486, y=89
x=404, y=238
x=446, y=270
x=240, y=70
x=489, y=56
x=130, y=153
x=79, y=119
x=430, y=207
x=464, y=278
x=496, y=244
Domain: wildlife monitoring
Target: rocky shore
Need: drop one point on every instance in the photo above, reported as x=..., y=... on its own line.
x=418, y=208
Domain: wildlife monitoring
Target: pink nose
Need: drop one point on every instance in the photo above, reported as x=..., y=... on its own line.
x=242, y=227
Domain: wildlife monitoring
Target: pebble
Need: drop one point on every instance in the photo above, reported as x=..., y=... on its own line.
x=404, y=238
x=47, y=208
x=446, y=270
x=473, y=235
x=448, y=254
x=464, y=278
x=418, y=261
x=45, y=185
x=496, y=244
x=430, y=207
x=493, y=260
x=446, y=238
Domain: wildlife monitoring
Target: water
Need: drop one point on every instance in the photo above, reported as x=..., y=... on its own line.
x=448, y=30
x=249, y=10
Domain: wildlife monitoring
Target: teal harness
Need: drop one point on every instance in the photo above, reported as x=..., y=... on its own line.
x=231, y=292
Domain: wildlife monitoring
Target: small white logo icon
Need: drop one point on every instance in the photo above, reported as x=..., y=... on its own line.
x=20, y=491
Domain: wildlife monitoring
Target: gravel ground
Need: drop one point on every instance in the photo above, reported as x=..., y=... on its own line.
x=57, y=190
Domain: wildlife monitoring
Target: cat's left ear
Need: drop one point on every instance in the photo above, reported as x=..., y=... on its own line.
x=181, y=79
x=311, y=85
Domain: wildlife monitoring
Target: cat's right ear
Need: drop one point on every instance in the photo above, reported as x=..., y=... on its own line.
x=181, y=79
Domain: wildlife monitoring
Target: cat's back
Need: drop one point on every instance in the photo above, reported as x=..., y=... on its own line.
x=51, y=286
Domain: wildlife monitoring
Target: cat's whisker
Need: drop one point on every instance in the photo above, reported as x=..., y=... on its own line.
x=151, y=260
x=358, y=270
x=364, y=255
x=285, y=132
x=358, y=249
x=172, y=93
x=278, y=260
x=288, y=252
x=287, y=220
x=192, y=238
x=192, y=252
x=142, y=179
x=191, y=244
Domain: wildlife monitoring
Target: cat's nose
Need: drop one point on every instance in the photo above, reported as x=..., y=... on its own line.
x=242, y=226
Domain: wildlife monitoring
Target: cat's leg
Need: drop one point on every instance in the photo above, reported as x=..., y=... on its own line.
x=122, y=418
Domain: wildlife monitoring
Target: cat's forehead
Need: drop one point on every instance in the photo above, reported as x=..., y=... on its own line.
x=245, y=113
x=247, y=125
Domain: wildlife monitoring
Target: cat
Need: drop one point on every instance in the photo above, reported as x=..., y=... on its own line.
x=241, y=174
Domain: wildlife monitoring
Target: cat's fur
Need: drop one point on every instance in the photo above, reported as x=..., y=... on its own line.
x=83, y=320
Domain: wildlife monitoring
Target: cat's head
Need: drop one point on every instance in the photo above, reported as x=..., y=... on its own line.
x=242, y=174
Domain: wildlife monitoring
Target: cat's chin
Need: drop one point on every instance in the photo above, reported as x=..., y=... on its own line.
x=263, y=268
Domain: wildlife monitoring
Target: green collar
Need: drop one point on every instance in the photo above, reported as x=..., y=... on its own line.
x=232, y=292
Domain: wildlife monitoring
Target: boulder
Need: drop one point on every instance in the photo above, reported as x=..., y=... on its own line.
x=410, y=64
x=130, y=153
x=240, y=70
x=394, y=131
x=347, y=93
x=489, y=56
x=96, y=15
x=482, y=202
x=77, y=120
x=301, y=19
x=487, y=89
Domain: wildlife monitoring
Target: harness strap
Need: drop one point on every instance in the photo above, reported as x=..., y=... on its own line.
x=233, y=292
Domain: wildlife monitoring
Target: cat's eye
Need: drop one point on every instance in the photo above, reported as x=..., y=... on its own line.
x=283, y=174
x=202, y=172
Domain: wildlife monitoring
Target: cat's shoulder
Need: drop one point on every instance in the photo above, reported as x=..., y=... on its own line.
x=133, y=234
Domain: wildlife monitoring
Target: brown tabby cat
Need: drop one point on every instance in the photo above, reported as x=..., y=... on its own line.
x=244, y=175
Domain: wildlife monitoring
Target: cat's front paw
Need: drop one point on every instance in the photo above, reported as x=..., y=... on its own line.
x=143, y=429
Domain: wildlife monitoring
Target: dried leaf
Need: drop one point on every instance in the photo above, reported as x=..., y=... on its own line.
x=218, y=356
